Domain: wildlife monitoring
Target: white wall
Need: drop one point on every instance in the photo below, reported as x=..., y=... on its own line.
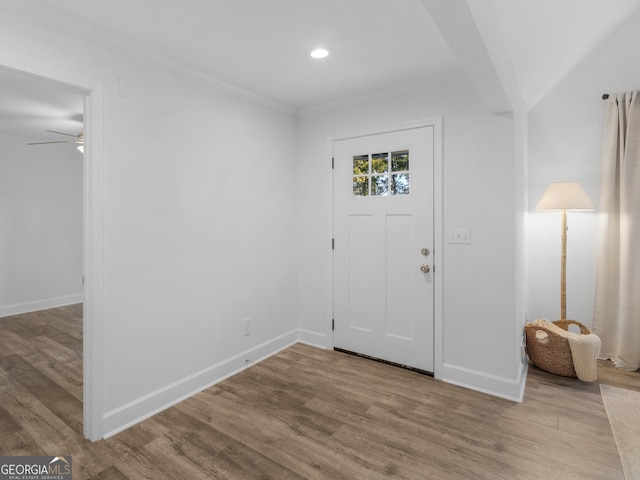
x=41, y=226
x=565, y=143
x=199, y=195
x=479, y=285
x=217, y=209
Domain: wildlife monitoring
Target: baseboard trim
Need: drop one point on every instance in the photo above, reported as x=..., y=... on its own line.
x=136, y=411
x=38, y=305
x=127, y=415
x=313, y=339
x=510, y=389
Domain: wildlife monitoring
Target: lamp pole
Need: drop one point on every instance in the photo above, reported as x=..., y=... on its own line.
x=563, y=268
x=563, y=196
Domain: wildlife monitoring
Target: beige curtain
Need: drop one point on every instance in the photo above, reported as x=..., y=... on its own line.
x=617, y=297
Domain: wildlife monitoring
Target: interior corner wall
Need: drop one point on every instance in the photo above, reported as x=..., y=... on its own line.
x=565, y=143
x=199, y=195
x=479, y=329
x=41, y=219
x=521, y=312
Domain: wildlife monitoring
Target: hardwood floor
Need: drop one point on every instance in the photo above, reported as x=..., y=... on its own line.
x=305, y=414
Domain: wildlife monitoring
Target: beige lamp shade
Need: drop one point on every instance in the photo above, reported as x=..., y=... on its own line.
x=564, y=196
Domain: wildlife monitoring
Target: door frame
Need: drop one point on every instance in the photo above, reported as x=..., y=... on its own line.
x=93, y=236
x=438, y=226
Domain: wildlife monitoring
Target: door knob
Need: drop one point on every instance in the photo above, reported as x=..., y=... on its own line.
x=425, y=268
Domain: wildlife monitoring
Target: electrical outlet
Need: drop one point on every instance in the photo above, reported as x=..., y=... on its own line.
x=247, y=326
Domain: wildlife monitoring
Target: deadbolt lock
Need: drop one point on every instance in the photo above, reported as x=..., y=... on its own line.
x=425, y=252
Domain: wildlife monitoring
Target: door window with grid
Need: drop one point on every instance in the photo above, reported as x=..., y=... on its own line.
x=378, y=174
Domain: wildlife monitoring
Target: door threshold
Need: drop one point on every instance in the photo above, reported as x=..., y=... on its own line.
x=376, y=359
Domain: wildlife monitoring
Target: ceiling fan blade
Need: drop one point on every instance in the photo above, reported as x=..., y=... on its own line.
x=42, y=143
x=61, y=133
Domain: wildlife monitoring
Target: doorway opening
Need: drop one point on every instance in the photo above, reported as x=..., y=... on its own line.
x=47, y=117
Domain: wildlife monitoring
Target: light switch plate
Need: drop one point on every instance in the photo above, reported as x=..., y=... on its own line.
x=458, y=235
x=124, y=89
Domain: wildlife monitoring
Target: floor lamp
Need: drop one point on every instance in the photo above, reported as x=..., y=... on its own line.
x=560, y=197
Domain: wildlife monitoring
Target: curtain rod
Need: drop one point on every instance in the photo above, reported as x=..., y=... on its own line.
x=605, y=96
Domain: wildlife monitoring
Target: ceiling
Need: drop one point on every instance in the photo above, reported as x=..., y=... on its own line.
x=263, y=46
x=260, y=47
x=547, y=39
x=29, y=106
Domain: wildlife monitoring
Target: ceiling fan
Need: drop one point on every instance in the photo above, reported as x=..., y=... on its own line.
x=79, y=140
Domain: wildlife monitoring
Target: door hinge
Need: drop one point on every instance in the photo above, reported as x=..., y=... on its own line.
x=333, y=324
x=333, y=244
x=333, y=163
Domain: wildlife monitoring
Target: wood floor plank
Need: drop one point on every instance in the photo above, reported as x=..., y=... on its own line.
x=49, y=393
x=111, y=473
x=12, y=344
x=67, y=374
x=306, y=413
x=24, y=328
x=305, y=455
x=136, y=464
x=64, y=339
x=145, y=432
x=7, y=424
x=18, y=444
x=208, y=450
x=47, y=429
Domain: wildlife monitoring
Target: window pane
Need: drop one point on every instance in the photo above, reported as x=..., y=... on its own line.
x=361, y=186
x=379, y=163
x=400, y=184
x=371, y=174
x=379, y=185
x=400, y=161
x=361, y=164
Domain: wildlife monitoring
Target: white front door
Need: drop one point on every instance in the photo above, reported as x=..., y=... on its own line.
x=383, y=246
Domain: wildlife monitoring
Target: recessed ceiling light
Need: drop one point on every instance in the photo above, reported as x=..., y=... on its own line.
x=319, y=53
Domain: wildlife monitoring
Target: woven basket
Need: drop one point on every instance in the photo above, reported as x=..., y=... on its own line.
x=552, y=355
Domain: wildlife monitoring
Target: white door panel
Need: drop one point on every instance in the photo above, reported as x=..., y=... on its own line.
x=383, y=219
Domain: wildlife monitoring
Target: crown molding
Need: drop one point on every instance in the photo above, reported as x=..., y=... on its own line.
x=78, y=28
